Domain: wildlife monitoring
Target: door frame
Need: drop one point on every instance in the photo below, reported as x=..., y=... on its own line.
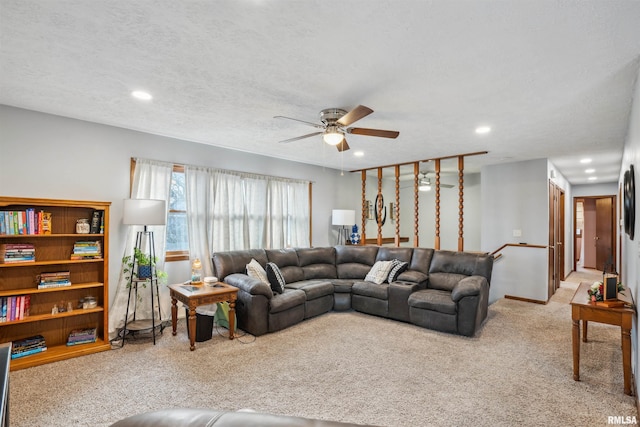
x=614, y=215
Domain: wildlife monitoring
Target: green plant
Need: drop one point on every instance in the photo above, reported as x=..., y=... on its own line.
x=141, y=259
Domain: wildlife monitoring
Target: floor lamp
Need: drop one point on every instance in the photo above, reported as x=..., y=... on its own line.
x=143, y=212
x=343, y=218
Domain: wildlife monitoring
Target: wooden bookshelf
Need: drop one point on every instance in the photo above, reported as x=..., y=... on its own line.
x=89, y=277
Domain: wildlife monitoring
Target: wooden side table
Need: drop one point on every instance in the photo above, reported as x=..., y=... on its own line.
x=195, y=295
x=583, y=309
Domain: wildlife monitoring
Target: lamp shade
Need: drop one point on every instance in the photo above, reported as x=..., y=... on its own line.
x=144, y=212
x=343, y=217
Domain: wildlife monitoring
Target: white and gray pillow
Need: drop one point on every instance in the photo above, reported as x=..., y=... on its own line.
x=379, y=272
x=276, y=279
x=255, y=270
x=397, y=268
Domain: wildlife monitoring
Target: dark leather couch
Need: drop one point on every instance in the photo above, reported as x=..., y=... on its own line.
x=442, y=290
x=208, y=418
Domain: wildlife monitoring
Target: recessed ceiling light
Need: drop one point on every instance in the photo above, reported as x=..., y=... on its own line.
x=481, y=130
x=358, y=153
x=593, y=178
x=585, y=161
x=142, y=95
x=589, y=170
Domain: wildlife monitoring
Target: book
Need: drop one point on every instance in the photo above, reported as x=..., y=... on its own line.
x=96, y=221
x=28, y=352
x=46, y=223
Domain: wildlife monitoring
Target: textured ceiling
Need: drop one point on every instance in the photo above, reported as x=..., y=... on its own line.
x=553, y=79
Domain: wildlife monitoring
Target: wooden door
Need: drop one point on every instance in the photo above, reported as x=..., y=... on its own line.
x=556, y=238
x=604, y=239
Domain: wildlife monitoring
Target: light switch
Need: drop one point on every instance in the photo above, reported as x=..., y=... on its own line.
x=517, y=233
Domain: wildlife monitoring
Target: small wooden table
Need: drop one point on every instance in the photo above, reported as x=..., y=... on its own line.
x=583, y=309
x=195, y=295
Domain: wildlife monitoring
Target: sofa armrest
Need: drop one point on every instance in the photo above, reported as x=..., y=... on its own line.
x=250, y=285
x=469, y=286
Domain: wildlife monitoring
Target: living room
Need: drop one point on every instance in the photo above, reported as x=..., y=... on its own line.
x=72, y=157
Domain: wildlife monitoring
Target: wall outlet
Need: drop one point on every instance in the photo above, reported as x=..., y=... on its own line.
x=517, y=233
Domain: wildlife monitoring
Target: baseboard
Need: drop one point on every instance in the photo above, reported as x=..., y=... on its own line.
x=534, y=301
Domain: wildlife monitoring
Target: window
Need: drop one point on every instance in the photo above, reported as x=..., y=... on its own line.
x=177, y=244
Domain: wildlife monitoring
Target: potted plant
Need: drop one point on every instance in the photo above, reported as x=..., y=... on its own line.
x=144, y=267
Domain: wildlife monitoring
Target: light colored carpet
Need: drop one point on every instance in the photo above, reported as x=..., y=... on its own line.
x=350, y=367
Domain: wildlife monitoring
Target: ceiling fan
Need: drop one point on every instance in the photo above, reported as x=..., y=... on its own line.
x=425, y=184
x=335, y=124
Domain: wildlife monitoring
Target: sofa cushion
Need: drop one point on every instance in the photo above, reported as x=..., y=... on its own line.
x=421, y=259
x=386, y=253
x=287, y=261
x=342, y=285
x=318, y=263
x=354, y=262
x=413, y=277
x=255, y=270
x=379, y=272
x=226, y=263
x=434, y=300
x=276, y=280
x=288, y=299
x=372, y=290
x=444, y=281
x=313, y=288
x=397, y=268
x=463, y=263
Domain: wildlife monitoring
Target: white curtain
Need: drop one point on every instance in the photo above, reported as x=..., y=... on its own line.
x=151, y=180
x=234, y=211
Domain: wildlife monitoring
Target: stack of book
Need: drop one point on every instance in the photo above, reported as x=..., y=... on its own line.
x=14, y=308
x=28, y=221
x=27, y=346
x=54, y=280
x=82, y=336
x=86, y=250
x=17, y=252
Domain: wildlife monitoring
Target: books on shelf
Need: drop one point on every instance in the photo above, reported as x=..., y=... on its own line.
x=27, y=346
x=97, y=222
x=14, y=308
x=82, y=336
x=54, y=280
x=28, y=221
x=86, y=250
x=17, y=252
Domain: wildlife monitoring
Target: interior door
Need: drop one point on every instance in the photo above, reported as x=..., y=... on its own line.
x=604, y=241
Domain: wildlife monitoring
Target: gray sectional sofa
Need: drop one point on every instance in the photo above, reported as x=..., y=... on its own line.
x=441, y=290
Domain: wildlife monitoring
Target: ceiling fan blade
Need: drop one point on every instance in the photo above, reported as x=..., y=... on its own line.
x=301, y=137
x=354, y=115
x=374, y=132
x=343, y=146
x=315, y=125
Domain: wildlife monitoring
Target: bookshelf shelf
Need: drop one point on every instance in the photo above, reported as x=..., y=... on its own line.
x=53, y=262
x=59, y=352
x=89, y=278
x=41, y=317
x=28, y=291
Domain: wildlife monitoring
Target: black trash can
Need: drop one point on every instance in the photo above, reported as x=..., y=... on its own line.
x=204, y=326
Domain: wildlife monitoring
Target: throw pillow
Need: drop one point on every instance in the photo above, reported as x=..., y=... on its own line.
x=276, y=279
x=397, y=268
x=379, y=272
x=255, y=270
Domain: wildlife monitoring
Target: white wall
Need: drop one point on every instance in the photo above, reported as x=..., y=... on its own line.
x=631, y=248
x=514, y=196
x=46, y=156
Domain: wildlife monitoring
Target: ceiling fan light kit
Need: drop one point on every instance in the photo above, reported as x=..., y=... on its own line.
x=335, y=122
x=332, y=135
